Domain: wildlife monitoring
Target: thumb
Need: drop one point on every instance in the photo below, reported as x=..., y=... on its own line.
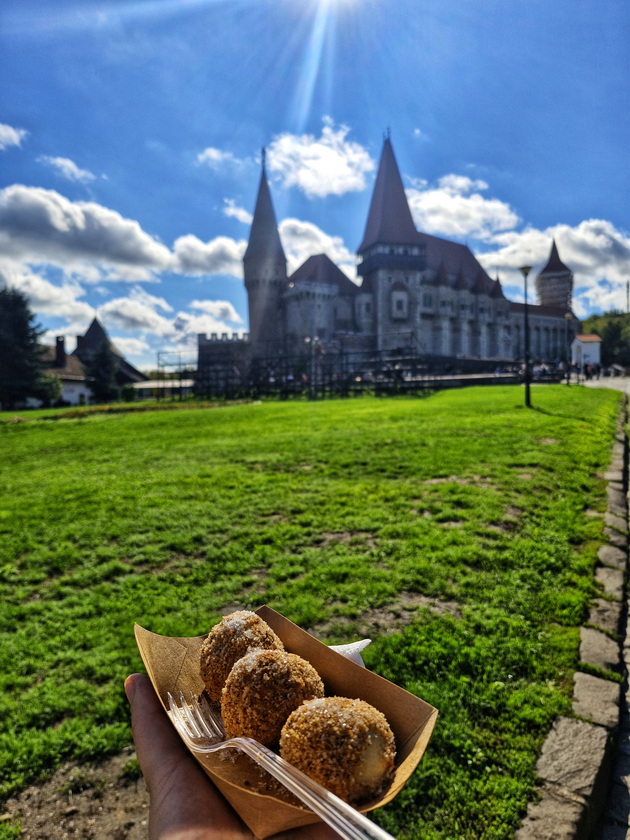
x=157, y=742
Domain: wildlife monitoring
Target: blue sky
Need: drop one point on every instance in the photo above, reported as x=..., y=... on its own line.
x=130, y=137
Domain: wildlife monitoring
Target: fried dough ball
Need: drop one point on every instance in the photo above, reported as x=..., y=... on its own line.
x=345, y=745
x=231, y=638
x=262, y=690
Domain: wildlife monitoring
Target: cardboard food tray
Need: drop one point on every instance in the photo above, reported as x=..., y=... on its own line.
x=173, y=665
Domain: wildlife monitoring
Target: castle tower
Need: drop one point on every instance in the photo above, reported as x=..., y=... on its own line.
x=391, y=251
x=554, y=284
x=265, y=274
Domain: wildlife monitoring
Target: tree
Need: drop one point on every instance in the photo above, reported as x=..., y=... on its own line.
x=21, y=362
x=614, y=329
x=101, y=370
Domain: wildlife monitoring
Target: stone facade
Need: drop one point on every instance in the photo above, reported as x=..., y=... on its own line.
x=417, y=295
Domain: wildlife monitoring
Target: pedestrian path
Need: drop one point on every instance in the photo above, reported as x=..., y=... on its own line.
x=584, y=766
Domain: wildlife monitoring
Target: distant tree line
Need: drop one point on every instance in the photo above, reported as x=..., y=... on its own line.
x=22, y=367
x=614, y=330
x=22, y=373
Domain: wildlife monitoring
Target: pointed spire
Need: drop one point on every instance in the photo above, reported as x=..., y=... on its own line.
x=389, y=219
x=264, y=239
x=497, y=289
x=554, y=263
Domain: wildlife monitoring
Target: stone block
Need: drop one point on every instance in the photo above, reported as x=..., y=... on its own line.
x=614, y=521
x=598, y=649
x=613, y=475
x=573, y=754
x=614, y=555
x=617, y=502
x=612, y=581
x=556, y=816
x=616, y=538
x=596, y=700
x=606, y=615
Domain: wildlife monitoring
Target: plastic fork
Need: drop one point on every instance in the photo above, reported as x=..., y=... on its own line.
x=203, y=732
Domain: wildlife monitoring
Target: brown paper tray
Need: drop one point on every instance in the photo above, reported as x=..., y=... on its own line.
x=173, y=665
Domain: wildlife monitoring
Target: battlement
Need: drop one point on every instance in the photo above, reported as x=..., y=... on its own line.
x=216, y=338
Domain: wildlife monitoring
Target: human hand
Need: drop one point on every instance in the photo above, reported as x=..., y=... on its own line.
x=184, y=804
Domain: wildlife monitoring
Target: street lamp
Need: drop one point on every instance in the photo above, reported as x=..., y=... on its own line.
x=525, y=271
x=311, y=345
x=567, y=318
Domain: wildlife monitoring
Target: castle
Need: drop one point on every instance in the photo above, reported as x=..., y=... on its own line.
x=420, y=297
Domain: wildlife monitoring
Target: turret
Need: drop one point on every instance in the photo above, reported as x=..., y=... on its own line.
x=554, y=284
x=390, y=239
x=265, y=273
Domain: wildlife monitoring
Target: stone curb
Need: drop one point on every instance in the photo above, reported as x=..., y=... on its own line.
x=578, y=796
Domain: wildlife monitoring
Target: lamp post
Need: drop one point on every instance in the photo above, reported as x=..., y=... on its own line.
x=525, y=271
x=567, y=318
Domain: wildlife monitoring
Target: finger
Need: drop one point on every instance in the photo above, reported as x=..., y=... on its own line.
x=184, y=802
x=157, y=743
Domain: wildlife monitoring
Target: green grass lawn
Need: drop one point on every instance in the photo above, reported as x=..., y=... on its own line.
x=465, y=516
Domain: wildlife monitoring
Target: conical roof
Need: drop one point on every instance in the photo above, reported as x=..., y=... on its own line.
x=319, y=268
x=95, y=337
x=264, y=239
x=389, y=219
x=554, y=263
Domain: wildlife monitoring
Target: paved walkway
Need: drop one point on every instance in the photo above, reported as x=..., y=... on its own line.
x=617, y=383
x=617, y=818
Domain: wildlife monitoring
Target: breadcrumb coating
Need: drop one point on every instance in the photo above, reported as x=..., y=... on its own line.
x=345, y=745
x=262, y=690
x=227, y=642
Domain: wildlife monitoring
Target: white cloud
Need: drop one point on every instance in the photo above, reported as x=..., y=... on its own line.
x=216, y=159
x=235, y=212
x=131, y=346
x=10, y=136
x=222, y=255
x=597, y=253
x=43, y=225
x=187, y=326
x=67, y=169
x=135, y=313
x=456, y=208
x=222, y=310
x=45, y=297
x=301, y=240
x=328, y=165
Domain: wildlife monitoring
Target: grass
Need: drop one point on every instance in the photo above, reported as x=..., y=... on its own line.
x=329, y=512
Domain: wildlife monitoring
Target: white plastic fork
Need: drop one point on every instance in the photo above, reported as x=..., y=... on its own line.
x=203, y=732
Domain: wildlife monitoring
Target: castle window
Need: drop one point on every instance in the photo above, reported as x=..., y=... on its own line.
x=399, y=303
x=427, y=300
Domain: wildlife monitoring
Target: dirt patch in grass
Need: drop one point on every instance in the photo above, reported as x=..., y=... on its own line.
x=470, y=481
x=84, y=801
x=390, y=618
x=334, y=537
